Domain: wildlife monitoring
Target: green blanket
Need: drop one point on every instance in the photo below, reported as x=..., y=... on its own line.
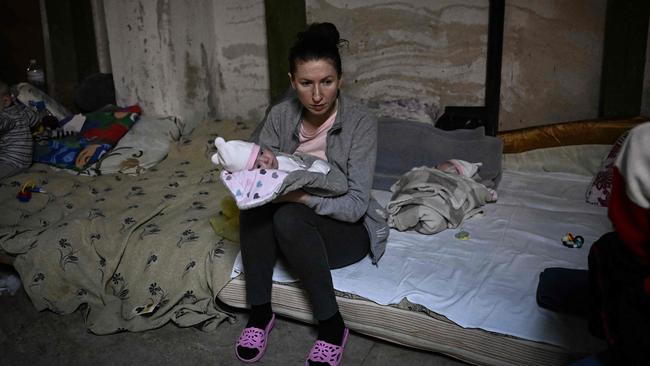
x=132, y=252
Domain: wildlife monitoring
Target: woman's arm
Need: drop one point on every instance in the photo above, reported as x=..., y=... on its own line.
x=17, y=113
x=269, y=133
x=353, y=205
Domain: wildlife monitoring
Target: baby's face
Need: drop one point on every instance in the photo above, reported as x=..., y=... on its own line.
x=266, y=160
x=448, y=167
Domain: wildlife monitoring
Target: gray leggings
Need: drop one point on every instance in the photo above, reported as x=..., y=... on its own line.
x=310, y=243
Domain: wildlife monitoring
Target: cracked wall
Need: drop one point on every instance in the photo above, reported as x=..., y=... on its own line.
x=436, y=51
x=190, y=59
x=201, y=58
x=552, y=59
x=400, y=50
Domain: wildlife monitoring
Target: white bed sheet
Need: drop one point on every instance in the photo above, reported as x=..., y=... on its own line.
x=489, y=281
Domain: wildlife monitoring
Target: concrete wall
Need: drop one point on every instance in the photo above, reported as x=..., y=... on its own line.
x=645, y=102
x=552, y=61
x=208, y=58
x=436, y=51
x=190, y=59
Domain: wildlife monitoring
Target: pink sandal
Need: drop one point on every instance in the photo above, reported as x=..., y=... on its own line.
x=254, y=338
x=327, y=352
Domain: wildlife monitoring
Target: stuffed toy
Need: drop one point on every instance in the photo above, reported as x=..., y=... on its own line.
x=226, y=222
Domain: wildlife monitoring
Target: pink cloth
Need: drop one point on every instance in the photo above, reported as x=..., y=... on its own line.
x=315, y=142
x=252, y=188
x=252, y=158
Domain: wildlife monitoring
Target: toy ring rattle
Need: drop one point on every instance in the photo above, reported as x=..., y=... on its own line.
x=25, y=193
x=572, y=241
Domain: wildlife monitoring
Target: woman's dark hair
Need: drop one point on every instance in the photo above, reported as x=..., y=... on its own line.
x=319, y=41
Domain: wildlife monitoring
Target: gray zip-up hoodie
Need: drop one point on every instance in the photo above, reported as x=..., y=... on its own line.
x=351, y=147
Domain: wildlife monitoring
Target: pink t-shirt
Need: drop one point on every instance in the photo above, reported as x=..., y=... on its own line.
x=314, y=142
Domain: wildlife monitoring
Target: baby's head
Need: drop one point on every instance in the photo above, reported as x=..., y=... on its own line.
x=236, y=155
x=266, y=160
x=448, y=167
x=459, y=167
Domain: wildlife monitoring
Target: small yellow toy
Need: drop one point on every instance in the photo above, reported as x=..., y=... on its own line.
x=226, y=222
x=462, y=235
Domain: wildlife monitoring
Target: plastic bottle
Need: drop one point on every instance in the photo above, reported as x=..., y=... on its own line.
x=36, y=75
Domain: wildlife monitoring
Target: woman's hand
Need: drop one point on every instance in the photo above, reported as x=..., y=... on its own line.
x=297, y=196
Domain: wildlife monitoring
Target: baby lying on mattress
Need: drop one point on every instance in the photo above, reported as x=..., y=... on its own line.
x=430, y=200
x=255, y=175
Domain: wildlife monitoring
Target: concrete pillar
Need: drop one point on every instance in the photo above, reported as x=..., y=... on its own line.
x=190, y=59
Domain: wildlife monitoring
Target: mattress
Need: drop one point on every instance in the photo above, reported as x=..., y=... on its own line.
x=410, y=325
x=474, y=299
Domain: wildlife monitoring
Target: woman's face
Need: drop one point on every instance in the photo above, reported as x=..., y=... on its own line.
x=316, y=83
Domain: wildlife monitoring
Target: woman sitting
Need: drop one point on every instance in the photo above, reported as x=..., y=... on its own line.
x=314, y=234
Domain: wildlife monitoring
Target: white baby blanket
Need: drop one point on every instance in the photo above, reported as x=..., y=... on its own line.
x=252, y=188
x=488, y=281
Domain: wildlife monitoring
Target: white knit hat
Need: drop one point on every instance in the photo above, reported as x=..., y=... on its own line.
x=235, y=155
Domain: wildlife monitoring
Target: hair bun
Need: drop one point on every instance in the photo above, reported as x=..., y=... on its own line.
x=321, y=32
x=320, y=41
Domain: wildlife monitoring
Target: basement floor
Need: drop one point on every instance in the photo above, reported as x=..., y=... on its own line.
x=29, y=337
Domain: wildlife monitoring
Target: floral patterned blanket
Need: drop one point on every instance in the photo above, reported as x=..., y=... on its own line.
x=132, y=252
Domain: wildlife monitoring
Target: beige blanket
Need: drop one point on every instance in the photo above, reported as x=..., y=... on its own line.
x=428, y=200
x=132, y=252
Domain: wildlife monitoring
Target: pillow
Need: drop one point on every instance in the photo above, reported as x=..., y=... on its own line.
x=144, y=146
x=109, y=125
x=403, y=145
x=601, y=184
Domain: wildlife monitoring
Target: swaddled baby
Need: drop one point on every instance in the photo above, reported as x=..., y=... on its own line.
x=255, y=175
x=238, y=155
